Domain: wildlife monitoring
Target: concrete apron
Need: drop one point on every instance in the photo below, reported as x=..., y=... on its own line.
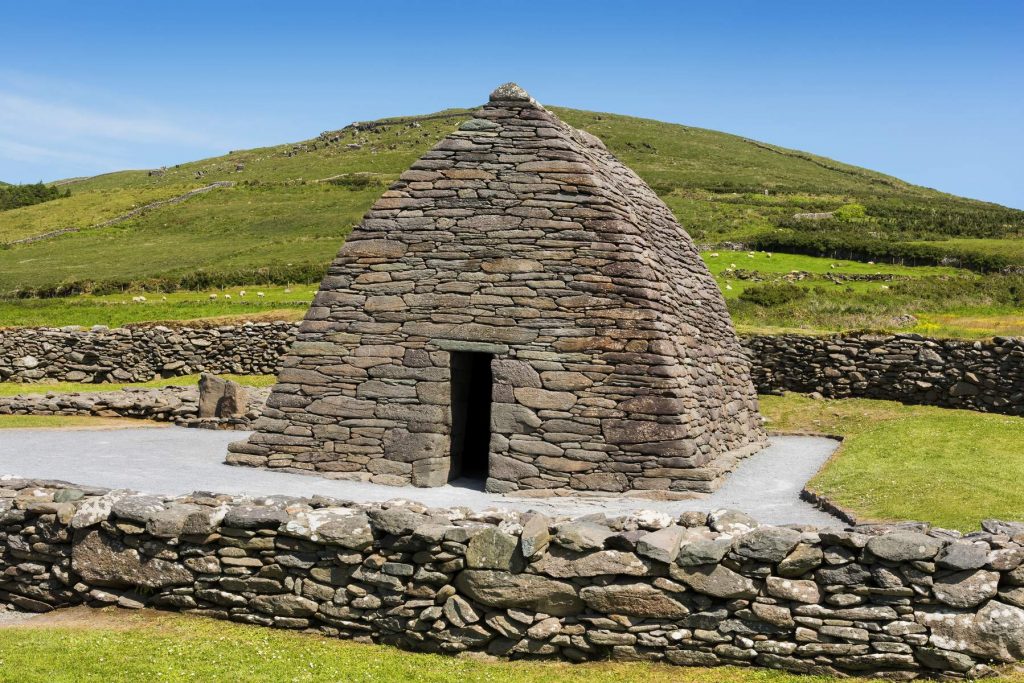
x=176, y=461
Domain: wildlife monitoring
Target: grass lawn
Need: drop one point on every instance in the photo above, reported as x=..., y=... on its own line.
x=114, y=645
x=975, y=308
x=279, y=302
x=15, y=389
x=952, y=468
x=1012, y=247
x=763, y=262
x=72, y=422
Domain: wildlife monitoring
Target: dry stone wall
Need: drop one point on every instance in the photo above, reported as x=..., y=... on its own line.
x=180, y=405
x=74, y=354
x=691, y=590
x=986, y=376
x=982, y=375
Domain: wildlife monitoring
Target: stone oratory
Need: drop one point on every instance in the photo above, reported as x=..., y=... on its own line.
x=522, y=309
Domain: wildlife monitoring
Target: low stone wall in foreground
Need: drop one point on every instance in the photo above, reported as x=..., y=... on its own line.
x=694, y=590
x=985, y=376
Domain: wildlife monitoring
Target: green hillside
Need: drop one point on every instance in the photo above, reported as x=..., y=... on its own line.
x=290, y=206
x=277, y=215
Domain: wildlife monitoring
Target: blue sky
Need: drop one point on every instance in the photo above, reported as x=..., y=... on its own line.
x=932, y=92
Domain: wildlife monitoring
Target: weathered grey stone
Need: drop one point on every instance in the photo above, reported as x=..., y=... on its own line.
x=995, y=632
x=793, y=589
x=352, y=532
x=170, y=522
x=802, y=559
x=564, y=564
x=525, y=591
x=945, y=660
x=494, y=549
x=966, y=589
x=220, y=397
x=284, y=605
x=95, y=510
x=535, y=536
x=767, y=543
x=773, y=614
x=255, y=517
x=700, y=552
x=661, y=545
x=459, y=612
x=963, y=555
x=903, y=546
x=103, y=560
x=398, y=521
x=581, y=536
x=731, y=521
x=138, y=509
x=636, y=599
x=716, y=581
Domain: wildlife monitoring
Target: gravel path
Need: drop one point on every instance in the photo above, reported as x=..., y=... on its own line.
x=175, y=461
x=12, y=617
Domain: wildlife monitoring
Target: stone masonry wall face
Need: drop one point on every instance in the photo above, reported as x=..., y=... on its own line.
x=693, y=590
x=179, y=405
x=615, y=363
x=986, y=376
x=98, y=355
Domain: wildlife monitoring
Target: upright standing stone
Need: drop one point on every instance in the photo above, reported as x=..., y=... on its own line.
x=219, y=397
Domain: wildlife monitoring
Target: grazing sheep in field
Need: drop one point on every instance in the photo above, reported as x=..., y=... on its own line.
x=260, y=294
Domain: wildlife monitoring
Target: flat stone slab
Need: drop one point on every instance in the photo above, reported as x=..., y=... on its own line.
x=176, y=461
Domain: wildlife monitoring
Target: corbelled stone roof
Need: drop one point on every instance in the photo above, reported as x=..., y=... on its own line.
x=615, y=364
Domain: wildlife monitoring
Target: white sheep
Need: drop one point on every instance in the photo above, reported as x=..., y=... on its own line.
x=213, y=296
x=260, y=294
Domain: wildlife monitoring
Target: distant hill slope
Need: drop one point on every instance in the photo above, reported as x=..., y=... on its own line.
x=289, y=206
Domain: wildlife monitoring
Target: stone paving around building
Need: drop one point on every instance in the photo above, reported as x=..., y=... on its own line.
x=176, y=461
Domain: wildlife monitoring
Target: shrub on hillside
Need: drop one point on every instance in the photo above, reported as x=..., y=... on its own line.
x=850, y=212
x=356, y=181
x=774, y=294
x=15, y=196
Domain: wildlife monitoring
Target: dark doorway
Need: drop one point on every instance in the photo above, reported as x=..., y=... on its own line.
x=471, y=414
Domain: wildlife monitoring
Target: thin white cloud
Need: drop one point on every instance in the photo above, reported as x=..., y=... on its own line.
x=20, y=151
x=55, y=129
x=20, y=114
